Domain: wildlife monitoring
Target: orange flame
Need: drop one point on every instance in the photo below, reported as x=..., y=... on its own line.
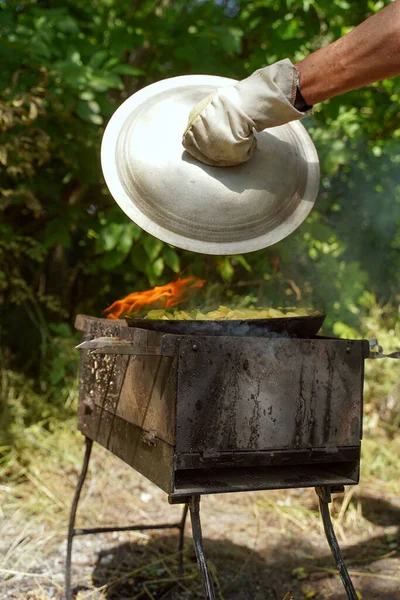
x=163, y=296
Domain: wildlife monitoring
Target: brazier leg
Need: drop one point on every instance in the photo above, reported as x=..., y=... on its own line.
x=181, y=537
x=194, y=507
x=71, y=525
x=324, y=495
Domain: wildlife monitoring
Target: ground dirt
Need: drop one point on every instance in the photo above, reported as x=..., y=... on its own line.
x=260, y=546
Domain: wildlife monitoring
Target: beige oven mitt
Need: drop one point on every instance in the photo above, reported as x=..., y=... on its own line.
x=220, y=131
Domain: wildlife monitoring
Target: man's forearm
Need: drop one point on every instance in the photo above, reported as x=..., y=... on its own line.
x=369, y=53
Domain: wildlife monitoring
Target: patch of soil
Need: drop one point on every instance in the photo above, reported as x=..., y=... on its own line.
x=259, y=546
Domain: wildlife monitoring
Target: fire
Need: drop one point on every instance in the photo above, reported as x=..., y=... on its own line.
x=163, y=296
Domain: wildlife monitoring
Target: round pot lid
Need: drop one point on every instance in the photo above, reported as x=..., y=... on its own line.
x=181, y=201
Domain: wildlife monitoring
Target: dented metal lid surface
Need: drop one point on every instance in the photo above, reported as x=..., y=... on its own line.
x=211, y=210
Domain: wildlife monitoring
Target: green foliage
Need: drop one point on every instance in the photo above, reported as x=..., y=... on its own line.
x=65, y=247
x=382, y=382
x=27, y=401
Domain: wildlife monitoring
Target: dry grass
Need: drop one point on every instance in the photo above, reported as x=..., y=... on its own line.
x=274, y=536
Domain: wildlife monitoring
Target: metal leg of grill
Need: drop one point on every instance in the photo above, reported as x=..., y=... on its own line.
x=324, y=495
x=181, y=538
x=72, y=532
x=194, y=506
x=71, y=525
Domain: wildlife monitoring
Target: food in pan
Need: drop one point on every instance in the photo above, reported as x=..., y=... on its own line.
x=224, y=313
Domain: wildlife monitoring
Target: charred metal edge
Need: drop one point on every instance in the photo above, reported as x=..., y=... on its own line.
x=84, y=322
x=220, y=481
x=128, y=442
x=266, y=457
x=114, y=345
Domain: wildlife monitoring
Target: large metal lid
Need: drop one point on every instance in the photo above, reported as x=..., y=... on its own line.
x=212, y=210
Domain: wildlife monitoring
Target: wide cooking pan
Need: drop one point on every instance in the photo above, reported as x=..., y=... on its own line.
x=300, y=327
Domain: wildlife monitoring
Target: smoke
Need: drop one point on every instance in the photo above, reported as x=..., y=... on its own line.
x=269, y=328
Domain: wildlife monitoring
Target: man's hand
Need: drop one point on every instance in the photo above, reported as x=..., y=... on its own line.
x=368, y=53
x=221, y=131
x=221, y=128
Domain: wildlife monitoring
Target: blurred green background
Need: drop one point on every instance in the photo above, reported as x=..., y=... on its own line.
x=66, y=247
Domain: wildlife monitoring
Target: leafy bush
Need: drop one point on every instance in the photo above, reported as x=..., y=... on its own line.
x=41, y=400
x=65, y=247
x=382, y=376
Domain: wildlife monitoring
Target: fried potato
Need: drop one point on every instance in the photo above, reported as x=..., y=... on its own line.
x=224, y=313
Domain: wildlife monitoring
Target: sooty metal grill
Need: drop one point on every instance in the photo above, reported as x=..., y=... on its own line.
x=201, y=414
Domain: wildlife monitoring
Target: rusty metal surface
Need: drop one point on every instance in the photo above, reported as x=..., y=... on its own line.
x=301, y=327
x=152, y=457
x=220, y=481
x=260, y=458
x=264, y=394
x=114, y=345
x=225, y=413
x=148, y=396
x=139, y=389
x=86, y=323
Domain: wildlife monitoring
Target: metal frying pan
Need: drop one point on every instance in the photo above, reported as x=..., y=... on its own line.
x=300, y=327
